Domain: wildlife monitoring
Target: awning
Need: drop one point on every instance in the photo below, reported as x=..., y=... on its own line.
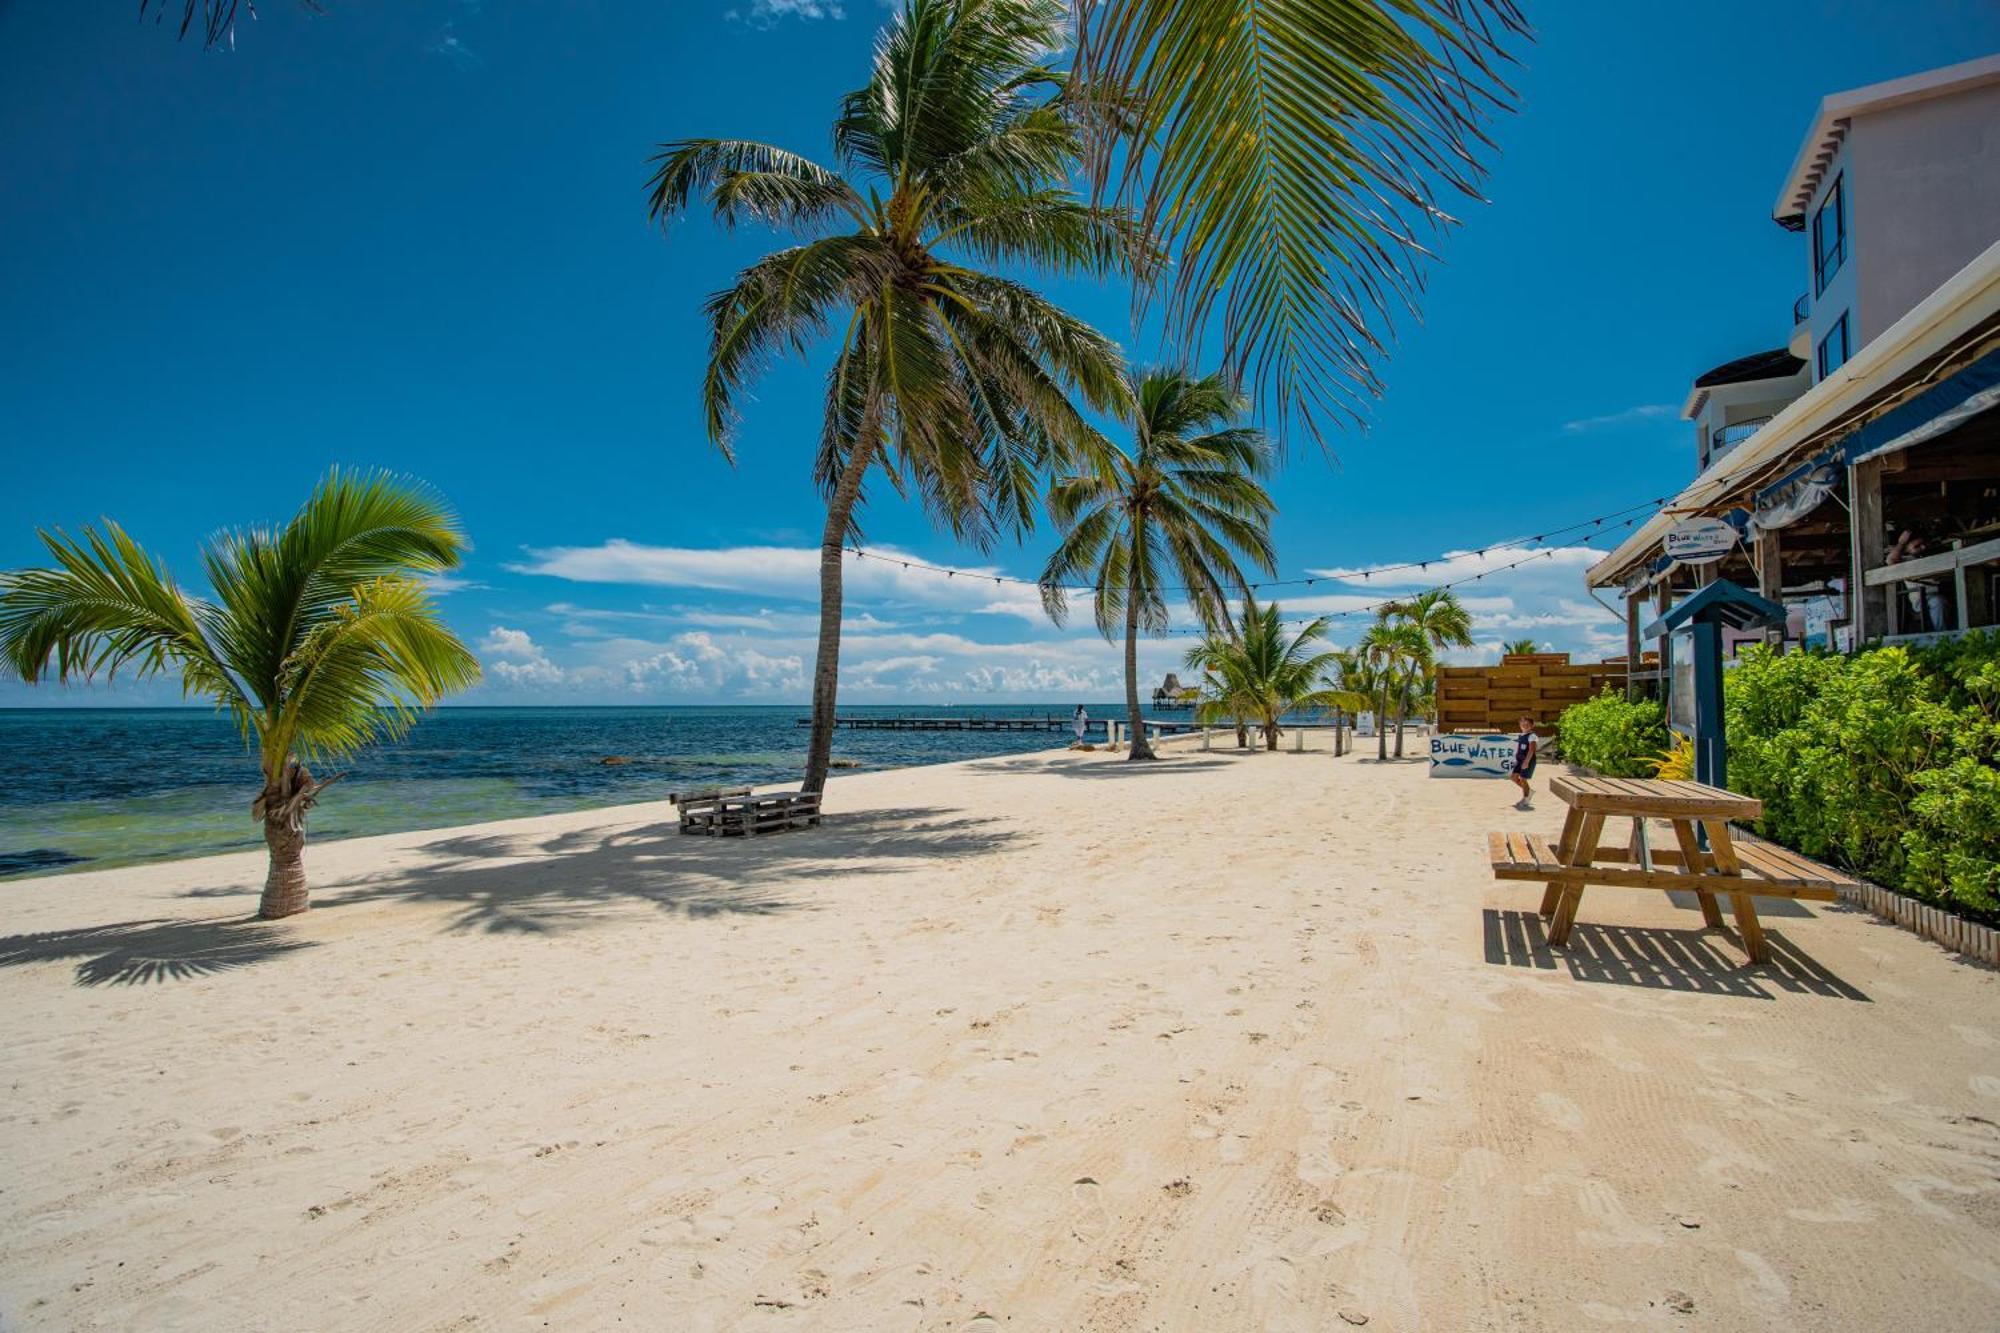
x=1960, y=320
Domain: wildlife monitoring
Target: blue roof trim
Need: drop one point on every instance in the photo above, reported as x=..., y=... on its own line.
x=1934, y=402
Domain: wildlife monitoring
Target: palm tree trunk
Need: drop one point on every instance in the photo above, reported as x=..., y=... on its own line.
x=832, y=566
x=1242, y=735
x=1139, y=749
x=1382, y=723
x=1402, y=711
x=1339, y=727
x=1270, y=733
x=285, y=891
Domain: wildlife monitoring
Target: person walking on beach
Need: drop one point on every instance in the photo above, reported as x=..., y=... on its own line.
x=1080, y=723
x=1526, y=747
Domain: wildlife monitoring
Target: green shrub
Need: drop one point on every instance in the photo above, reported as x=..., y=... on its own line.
x=1883, y=761
x=1613, y=735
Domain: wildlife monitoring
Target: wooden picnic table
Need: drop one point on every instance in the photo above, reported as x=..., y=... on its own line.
x=1724, y=866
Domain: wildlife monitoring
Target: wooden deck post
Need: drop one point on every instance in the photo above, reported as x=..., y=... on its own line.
x=1770, y=580
x=1868, y=608
x=1664, y=601
x=1633, y=658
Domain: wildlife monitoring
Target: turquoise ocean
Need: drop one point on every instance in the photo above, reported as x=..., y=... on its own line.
x=87, y=788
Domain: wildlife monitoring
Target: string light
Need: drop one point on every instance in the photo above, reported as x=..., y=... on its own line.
x=1618, y=518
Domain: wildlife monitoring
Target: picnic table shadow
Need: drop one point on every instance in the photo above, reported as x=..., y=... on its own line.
x=1661, y=958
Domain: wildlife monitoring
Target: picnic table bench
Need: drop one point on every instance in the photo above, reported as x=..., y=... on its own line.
x=737, y=812
x=1742, y=870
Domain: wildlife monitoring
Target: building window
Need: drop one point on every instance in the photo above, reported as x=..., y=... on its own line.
x=1829, y=231
x=1833, y=347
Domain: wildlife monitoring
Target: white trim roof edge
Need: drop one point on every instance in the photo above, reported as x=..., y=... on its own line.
x=1837, y=107
x=1956, y=307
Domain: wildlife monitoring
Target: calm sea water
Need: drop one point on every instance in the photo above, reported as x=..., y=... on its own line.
x=87, y=788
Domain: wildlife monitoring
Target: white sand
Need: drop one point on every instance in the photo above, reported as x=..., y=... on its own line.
x=1037, y=1043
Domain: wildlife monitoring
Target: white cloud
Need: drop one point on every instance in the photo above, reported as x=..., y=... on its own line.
x=765, y=13
x=1630, y=416
x=513, y=657
x=782, y=571
x=442, y=585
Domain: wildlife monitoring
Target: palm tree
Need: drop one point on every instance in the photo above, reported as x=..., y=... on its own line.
x=1182, y=504
x=1351, y=678
x=1261, y=672
x=1518, y=647
x=1393, y=648
x=321, y=639
x=1443, y=621
x=947, y=378
x=1300, y=157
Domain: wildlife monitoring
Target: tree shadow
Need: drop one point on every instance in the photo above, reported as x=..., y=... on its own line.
x=1661, y=958
x=140, y=953
x=528, y=883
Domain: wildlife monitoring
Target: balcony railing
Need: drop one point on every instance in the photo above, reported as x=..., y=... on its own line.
x=1728, y=437
x=1801, y=308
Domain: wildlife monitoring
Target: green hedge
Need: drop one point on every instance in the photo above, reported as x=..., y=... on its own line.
x=1884, y=761
x=1613, y=735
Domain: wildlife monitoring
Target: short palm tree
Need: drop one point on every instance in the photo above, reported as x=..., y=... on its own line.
x=1260, y=671
x=1395, y=649
x=1518, y=647
x=948, y=378
x=320, y=640
x=1183, y=504
x=1352, y=680
x=1443, y=621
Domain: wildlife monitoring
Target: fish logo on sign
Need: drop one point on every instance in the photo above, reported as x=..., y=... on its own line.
x=1697, y=541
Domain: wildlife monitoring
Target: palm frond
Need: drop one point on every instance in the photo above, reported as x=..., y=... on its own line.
x=742, y=179
x=1297, y=157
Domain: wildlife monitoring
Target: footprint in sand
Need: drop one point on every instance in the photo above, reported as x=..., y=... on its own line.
x=1090, y=1221
x=1986, y=1085
x=1979, y=1037
x=982, y=1323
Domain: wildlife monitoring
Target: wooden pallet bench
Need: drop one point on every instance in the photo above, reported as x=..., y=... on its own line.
x=699, y=810
x=1741, y=870
x=748, y=816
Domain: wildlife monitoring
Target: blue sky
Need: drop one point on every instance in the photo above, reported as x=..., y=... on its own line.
x=414, y=236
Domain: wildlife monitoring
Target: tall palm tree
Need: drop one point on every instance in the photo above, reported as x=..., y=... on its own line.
x=1183, y=503
x=1262, y=672
x=1300, y=157
x=1394, y=648
x=1521, y=647
x=1443, y=621
x=321, y=639
x=947, y=378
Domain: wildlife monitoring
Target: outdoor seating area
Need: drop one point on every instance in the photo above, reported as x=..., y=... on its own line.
x=1706, y=859
x=737, y=812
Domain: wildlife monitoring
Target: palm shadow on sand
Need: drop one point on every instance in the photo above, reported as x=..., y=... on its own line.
x=529, y=883
x=1662, y=958
x=138, y=953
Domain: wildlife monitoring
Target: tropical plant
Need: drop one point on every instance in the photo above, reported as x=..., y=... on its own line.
x=1443, y=621
x=947, y=378
x=1519, y=648
x=1259, y=672
x=1300, y=157
x=1353, y=681
x=1613, y=735
x=1676, y=762
x=1183, y=504
x=1396, y=649
x=322, y=637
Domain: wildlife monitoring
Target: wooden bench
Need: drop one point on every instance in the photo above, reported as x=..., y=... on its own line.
x=699, y=810
x=1742, y=870
x=748, y=816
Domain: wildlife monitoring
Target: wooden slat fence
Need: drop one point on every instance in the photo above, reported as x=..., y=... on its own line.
x=1541, y=684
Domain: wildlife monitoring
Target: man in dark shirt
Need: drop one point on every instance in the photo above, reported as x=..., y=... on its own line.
x=1525, y=749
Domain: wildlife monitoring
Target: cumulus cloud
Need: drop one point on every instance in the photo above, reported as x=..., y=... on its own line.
x=781, y=571
x=513, y=657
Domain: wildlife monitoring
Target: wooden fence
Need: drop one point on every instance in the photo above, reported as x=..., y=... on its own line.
x=1541, y=685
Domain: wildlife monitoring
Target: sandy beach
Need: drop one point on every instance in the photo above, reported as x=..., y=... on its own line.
x=1045, y=1042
